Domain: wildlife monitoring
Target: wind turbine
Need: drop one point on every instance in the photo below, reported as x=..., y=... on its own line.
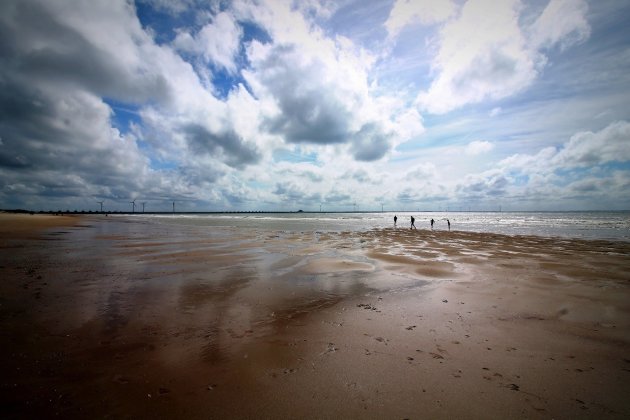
x=143, y=203
x=101, y=203
x=133, y=206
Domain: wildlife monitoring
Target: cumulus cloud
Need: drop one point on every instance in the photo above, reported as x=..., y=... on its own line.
x=421, y=184
x=289, y=191
x=370, y=143
x=249, y=102
x=46, y=148
x=584, y=149
x=60, y=73
x=56, y=128
x=337, y=197
x=217, y=42
x=228, y=146
x=484, y=53
x=57, y=43
x=308, y=108
x=321, y=97
x=556, y=173
x=491, y=183
x=575, y=172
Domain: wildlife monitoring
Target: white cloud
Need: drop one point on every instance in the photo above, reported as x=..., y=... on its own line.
x=316, y=90
x=409, y=124
x=426, y=12
x=322, y=9
x=562, y=22
x=303, y=114
x=484, y=54
x=572, y=173
x=584, y=149
x=478, y=147
x=217, y=42
x=67, y=65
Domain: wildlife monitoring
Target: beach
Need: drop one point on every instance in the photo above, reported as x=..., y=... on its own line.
x=132, y=318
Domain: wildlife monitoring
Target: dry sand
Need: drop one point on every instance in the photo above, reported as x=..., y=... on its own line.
x=110, y=317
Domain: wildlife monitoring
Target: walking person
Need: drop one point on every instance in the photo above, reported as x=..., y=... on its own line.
x=413, y=223
x=432, y=221
x=395, y=220
x=449, y=224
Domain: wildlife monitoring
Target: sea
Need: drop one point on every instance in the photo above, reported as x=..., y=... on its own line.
x=598, y=225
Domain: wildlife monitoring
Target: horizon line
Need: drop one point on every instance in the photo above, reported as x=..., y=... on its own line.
x=125, y=212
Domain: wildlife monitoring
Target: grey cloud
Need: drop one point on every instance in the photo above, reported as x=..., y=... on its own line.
x=62, y=147
x=409, y=195
x=291, y=192
x=235, y=151
x=484, y=185
x=38, y=47
x=337, y=197
x=370, y=143
x=311, y=112
x=312, y=176
x=301, y=172
x=406, y=196
x=494, y=66
x=197, y=174
x=360, y=175
x=58, y=141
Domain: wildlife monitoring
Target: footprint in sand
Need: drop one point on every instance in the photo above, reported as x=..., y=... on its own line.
x=381, y=340
x=330, y=349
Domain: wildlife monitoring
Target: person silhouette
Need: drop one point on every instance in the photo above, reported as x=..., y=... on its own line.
x=395, y=220
x=449, y=224
x=413, y=223
x=432, y=221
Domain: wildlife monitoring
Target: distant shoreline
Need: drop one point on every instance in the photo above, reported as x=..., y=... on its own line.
x=119, y=212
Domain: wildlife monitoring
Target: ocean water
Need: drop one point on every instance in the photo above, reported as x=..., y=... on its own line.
x=582, y=225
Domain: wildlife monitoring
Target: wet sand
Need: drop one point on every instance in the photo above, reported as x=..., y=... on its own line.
x=113, y=317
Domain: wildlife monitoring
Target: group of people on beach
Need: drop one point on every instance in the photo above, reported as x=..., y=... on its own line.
x=413, y=223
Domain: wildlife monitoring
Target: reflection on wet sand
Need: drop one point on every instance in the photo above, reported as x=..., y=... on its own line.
x=133, y=318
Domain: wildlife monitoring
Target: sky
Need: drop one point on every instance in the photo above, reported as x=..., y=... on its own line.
x=333, y=105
